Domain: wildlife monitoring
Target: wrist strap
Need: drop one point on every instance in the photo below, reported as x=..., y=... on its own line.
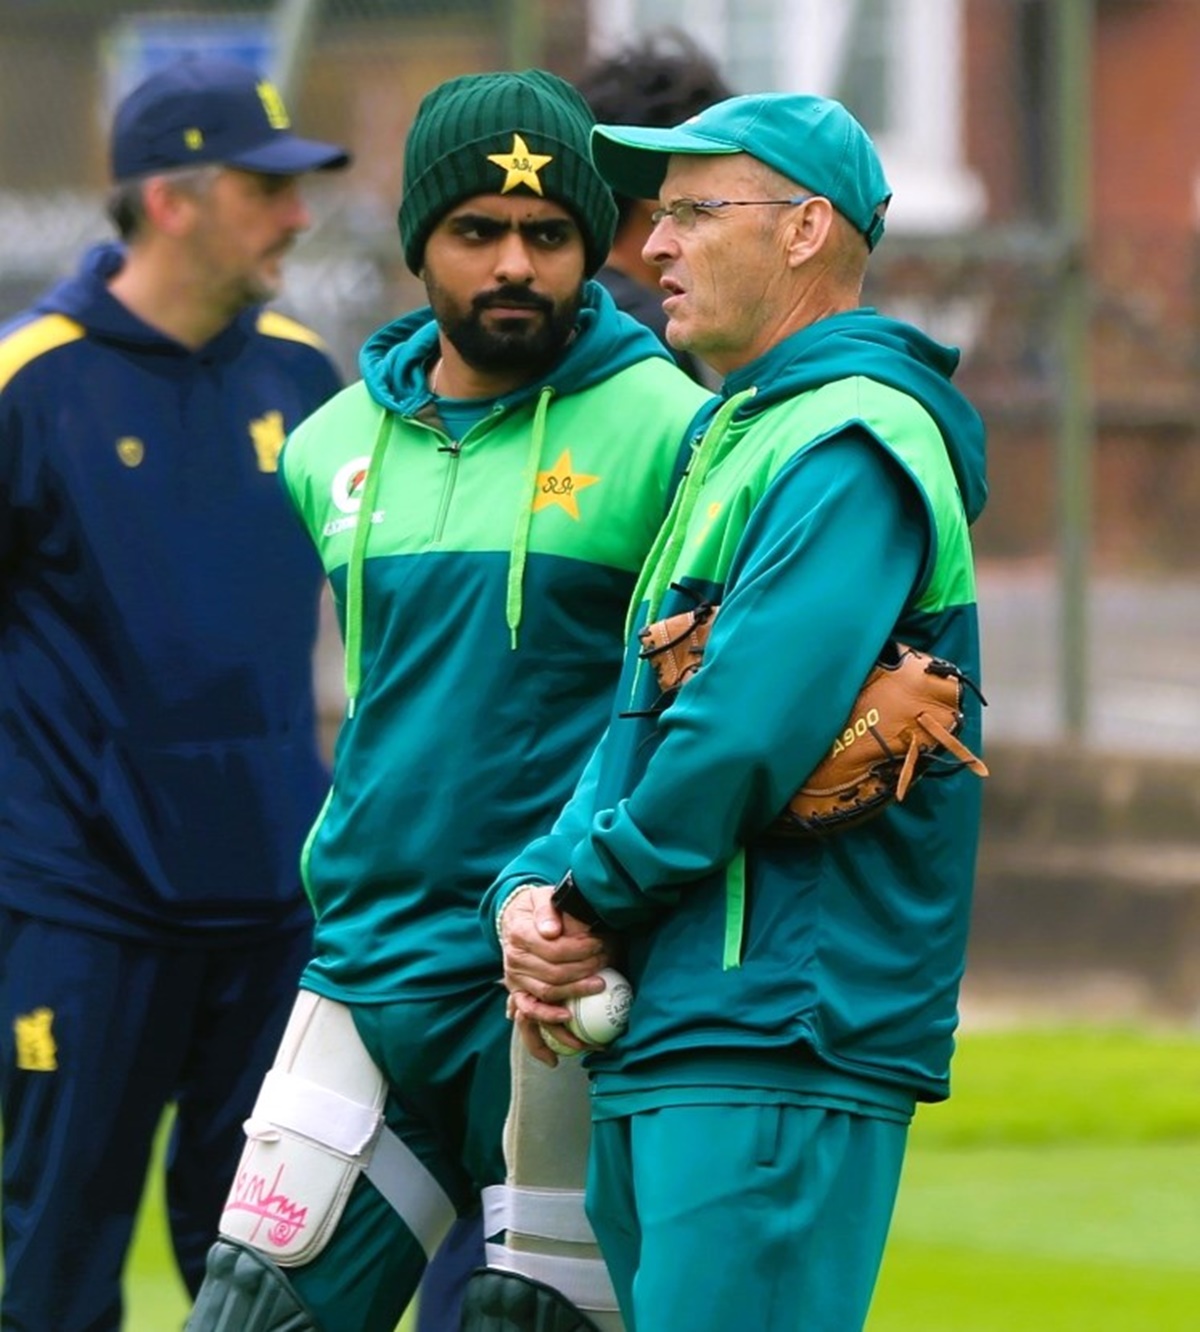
x=568, y=899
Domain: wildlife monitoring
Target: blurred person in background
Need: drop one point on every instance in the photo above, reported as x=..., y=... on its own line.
x=158, y=752
x=794, y=998
x=661, y=80
x=481, y=502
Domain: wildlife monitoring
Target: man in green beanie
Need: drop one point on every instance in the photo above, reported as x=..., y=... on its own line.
x=482, y=501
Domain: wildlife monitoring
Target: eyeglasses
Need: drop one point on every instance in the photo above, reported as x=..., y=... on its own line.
x=684, y=212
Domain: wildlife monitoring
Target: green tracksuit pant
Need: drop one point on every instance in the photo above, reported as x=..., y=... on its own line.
x=769, y=1218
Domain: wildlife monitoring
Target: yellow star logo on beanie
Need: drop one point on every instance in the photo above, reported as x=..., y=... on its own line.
x=521, y=166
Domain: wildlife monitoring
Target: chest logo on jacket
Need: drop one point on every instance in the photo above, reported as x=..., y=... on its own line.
x=349, y=482
x=131, y=450
x=346, y=491
x=561, y=484
x=268, y=434
x=37, y=1050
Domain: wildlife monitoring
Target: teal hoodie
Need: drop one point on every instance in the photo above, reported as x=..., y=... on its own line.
x=827, y=511
x=483, y=608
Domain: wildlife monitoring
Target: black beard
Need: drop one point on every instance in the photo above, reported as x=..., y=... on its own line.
x=530, y=346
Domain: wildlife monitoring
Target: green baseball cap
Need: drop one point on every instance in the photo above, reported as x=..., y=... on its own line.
x=814, y=141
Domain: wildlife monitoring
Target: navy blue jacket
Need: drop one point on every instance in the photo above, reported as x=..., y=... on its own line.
x=158, y=607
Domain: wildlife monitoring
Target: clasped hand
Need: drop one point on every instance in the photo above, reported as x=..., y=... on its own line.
x=549, y=957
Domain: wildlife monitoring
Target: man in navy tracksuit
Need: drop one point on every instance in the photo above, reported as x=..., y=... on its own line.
x=158, y=759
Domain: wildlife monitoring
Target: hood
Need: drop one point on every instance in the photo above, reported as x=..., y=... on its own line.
x=85, y=298
x=394, y=359
x=862, y=342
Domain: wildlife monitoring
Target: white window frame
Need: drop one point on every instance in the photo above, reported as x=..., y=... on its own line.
x=922, y=149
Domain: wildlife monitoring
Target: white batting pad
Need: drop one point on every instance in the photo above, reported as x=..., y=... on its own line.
x=546, y=1234
x=317, y=1125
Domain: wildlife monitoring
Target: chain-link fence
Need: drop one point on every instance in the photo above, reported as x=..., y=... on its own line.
x=1009, y=128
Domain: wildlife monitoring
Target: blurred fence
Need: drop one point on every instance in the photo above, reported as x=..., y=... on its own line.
x=1009, y=237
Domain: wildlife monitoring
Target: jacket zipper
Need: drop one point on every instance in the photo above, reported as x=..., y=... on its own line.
x=453, y=448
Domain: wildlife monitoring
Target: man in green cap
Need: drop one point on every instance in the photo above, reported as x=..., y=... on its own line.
x=793, y=999
x=481, y=501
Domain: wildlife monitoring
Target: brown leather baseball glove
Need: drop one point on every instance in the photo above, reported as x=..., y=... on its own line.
x=904, y=723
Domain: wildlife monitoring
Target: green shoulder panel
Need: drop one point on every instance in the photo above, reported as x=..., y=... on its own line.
x=592, y=471
x=756, y=447
x=324, y=467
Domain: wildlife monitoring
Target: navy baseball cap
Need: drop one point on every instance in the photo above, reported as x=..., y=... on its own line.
x=200, y=110
x=814, y=141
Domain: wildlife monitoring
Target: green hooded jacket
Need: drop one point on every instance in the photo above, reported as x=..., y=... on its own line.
x=827, y=511
x=482, y=609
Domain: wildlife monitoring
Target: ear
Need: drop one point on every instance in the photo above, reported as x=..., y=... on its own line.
x=168, y=208
x=807, y=231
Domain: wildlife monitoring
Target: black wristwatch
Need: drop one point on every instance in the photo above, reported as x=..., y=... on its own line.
x=569, y=899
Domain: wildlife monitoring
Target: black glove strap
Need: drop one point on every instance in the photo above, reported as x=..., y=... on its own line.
x=567, y=898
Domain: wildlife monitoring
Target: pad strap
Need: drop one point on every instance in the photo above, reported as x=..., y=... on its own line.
x=358, y=1133
x=546, y=1213
x=289, y=1101
x=583, y=1281
x=411, y=1190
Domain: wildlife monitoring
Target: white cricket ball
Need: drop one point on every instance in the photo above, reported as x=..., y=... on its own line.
x=597, y=1019
x=563, y=1051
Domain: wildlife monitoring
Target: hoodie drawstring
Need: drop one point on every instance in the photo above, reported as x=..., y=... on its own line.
x=358, y=556
x=520, y=541
x=358, y=552
x=655, y=578
x=660, y=563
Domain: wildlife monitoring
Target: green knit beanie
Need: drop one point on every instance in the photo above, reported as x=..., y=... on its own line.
x=494, y=133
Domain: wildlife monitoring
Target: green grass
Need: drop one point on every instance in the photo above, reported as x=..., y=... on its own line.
x=1057, y=1191
x=155, y=1298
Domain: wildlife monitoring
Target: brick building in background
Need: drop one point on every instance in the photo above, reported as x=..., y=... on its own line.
x=962, y=95
x=1142, y=256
